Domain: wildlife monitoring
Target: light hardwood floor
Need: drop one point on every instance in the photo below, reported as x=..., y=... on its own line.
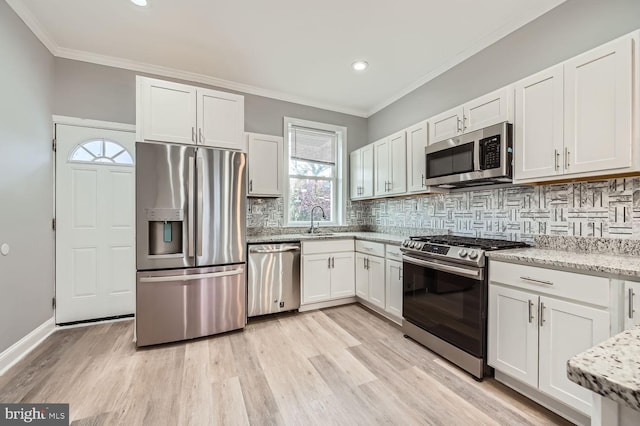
x=338, y=366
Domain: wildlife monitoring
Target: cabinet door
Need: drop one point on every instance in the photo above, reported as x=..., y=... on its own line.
x=316, y=278
x=513, y=333
x=417, y=139
x=487, y=110
x=376, y=281
x=539, y=125
x=367, y=171
x=631, y=304
x=598, y=108
x=342, y=275
x=393, y=302
x=445, y=125
x=398, y=163
x=362, y=277
x=381, y=167
x=264, y=158
x=566, y=329
x=220, y=119
x=167, y=111
x=355, y=174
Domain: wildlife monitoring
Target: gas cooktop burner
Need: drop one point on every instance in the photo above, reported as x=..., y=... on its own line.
x=468, y=242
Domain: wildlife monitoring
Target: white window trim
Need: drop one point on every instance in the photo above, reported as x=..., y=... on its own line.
x=341, y=170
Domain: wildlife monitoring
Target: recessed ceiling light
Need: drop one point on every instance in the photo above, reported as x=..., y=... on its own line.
x=139, y=2
x=360, y=65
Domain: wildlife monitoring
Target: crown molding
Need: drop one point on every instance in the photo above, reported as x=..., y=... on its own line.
x=33, y=24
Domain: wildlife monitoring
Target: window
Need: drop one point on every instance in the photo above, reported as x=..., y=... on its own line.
x=101, y=151
x=315, y=156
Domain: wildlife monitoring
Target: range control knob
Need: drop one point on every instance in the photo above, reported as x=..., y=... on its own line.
x=463, y=253
x=405, y=244
x=413, y=244
x=419, y=246
x=473, y=255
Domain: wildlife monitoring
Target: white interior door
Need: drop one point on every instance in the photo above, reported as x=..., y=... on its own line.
x=95, y=235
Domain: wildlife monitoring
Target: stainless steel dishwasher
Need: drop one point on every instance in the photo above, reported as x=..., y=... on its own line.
x=273, y=278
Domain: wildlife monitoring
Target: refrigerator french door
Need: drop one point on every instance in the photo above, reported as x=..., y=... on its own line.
x=190, y=238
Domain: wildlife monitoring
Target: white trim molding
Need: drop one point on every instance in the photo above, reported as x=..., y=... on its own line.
x=94, y=124
x=22, y=347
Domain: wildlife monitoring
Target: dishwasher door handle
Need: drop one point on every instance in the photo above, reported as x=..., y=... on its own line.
x=277, y=250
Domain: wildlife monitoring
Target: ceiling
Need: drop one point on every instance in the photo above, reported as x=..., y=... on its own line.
x=294, y=50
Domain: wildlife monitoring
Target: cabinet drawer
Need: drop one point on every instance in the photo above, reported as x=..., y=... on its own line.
x=327, y=246
x=374, y=249
x=569, y=285
x=393, y=252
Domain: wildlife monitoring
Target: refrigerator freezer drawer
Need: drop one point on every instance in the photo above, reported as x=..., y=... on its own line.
x=189, y=303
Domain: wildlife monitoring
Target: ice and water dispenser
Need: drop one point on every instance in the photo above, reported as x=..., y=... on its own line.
x=165, y=232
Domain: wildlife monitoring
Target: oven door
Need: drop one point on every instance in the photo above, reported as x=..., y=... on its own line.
x=447, y=300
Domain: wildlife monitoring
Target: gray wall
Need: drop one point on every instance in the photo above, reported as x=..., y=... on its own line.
x=26, y=194
x=570, y=29
x=104, y=93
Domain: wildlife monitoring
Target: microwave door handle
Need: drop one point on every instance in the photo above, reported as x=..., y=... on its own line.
x=190, y=208
x=456, y=270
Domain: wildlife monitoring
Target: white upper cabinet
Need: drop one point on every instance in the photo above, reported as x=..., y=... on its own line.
x=220, y=119
x=390, y=165
x=179, y=113
x=361, y=172
x=599, y=107
x=446, y=125
x=265, y=165
x=577, y=119
x=493, y=108
x=539, y=124
x=165, y=111
x=381, y=167
x=487, y=110
x=417, y=140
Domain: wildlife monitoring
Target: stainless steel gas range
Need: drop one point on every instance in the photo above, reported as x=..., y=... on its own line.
x=445, y=296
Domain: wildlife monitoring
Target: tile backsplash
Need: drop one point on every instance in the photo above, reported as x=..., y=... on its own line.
x=605, y=209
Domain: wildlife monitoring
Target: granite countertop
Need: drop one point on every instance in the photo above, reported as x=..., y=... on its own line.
x=368, y=236
x=596, y=263
x=611, y=369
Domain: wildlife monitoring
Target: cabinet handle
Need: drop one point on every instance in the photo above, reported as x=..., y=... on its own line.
x=530, y=311
x=329, y=263
x=390, y=185
x=541, y=314
x=423, y=184
x=201, y=135
x=250, y=185
x=333, y=262
x=533, y=280
x=193, y=134
x=459, y=122
x=557, y=158
x=399, y=274
x=566, y=157
x=464, y=122
x=631, y=310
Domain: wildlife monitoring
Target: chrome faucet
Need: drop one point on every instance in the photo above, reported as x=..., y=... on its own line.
x=312, y=229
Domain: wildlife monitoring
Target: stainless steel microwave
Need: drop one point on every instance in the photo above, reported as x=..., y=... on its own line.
x=476, y=158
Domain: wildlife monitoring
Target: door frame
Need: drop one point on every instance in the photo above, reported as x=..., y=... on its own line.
x=78, y=122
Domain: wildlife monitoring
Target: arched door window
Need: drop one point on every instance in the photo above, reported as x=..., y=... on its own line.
x=101, y=151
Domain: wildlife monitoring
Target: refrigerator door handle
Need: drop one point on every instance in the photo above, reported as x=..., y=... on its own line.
x=192, y=277
x=190, y=205
x=199, y=211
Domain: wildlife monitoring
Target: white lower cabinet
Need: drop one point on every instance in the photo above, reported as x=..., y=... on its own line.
x=370, y=283
x=327, y=271
x=532, y=334
x=394, y=287
x=375, y=266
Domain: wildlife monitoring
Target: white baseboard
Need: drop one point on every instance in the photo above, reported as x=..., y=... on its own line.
x=22, y=347
x=327, y=304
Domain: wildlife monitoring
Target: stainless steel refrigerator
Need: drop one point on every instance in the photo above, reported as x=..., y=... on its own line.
x=190, y=237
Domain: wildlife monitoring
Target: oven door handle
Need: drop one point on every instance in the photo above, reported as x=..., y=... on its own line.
x=474, y=273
